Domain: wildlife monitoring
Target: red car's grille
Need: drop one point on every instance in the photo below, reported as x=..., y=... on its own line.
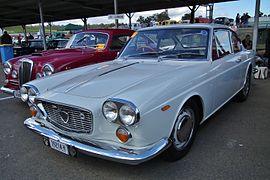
x=25, y=71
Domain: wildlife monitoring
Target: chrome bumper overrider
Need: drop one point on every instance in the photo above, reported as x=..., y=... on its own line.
x=122, y=156
x=7, y=90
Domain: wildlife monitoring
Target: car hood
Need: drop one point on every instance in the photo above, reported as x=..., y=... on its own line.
x=55, y=55
x=111, y=78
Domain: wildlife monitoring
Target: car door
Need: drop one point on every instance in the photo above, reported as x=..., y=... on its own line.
x=226, y=75
x=239, y=58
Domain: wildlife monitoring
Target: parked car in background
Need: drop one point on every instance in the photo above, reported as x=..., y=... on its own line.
x=223, y=21
x=84, y=48
x=29, y=47
x=150, y=100
x=57, y=43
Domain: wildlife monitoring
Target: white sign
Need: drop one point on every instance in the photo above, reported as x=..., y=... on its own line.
x=116, y=16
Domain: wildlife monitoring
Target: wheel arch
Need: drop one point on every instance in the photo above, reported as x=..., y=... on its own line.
x=198, y=100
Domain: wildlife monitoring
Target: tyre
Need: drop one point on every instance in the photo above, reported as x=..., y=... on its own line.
x=243, y=94
x=183, y=133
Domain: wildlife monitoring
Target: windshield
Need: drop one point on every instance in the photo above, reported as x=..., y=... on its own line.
x=183, y=44
x=88, y=39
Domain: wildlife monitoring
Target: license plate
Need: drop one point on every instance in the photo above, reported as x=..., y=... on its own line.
x=59, y=146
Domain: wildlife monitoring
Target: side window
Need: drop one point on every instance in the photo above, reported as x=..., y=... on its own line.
x=223, y=43
x=118, y=41
x=235, y=43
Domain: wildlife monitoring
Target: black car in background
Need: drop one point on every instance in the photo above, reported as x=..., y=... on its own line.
x=36, y=45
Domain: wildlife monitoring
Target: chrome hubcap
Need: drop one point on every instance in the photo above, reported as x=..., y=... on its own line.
x=184, y=128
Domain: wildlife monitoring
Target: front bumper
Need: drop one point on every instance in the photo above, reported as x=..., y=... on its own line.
x=15, y=93
x=7, y=90
x=104, y=151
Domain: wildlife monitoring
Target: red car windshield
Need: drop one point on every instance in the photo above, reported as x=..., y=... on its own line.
x=88, y=39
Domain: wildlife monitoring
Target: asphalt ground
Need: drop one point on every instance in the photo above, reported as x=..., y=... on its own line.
x=233, y=144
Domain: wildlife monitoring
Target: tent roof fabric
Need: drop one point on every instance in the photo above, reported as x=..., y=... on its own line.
x=18, y=12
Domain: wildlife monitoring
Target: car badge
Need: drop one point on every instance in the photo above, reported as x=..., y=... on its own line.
x=82, y=116
x=54, y=107
x=64, y=116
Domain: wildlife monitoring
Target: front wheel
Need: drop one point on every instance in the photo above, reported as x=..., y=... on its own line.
x=183, y=132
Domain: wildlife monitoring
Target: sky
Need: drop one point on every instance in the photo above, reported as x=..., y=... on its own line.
x=228, y=9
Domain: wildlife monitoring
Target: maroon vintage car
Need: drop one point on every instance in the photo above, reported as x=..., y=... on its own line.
x=84, y=48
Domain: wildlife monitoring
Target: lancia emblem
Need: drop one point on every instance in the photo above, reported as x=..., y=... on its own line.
x=64, y=116
x=82, y=116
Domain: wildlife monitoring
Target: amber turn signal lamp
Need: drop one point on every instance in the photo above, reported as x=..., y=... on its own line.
x=123, y=134
x=33, y=111
x=165, y=108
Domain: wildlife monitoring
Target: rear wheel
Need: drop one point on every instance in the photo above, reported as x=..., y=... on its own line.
x=243, y=94
x=184, y=132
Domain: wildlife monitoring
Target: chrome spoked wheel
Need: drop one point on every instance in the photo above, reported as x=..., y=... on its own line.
x=184, y=128
x=247, y=85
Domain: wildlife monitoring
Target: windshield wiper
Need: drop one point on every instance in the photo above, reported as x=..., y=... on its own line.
x=180, y=55
x=142, y=54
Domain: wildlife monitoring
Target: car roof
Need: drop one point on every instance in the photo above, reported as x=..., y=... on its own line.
x=109, y=30
x=197, y=25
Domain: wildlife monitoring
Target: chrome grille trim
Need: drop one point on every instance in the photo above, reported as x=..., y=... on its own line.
x=25, y=71
x=75, y=123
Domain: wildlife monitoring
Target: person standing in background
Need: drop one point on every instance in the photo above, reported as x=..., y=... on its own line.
x=6, y=38
x=247, y=43
x=237, y=20
x=19, y=39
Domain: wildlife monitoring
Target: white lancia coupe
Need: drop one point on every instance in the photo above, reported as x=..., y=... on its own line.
x=148, y=101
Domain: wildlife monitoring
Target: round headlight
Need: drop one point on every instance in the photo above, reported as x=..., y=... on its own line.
x=127, y=115
x=24, y=94
x=110, y=111
x=32, y=93
x=48, y=70
x=14, y=74
x=7, y=68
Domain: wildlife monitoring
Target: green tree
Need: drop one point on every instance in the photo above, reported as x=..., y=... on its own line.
x=186, y=16
x=161, y=16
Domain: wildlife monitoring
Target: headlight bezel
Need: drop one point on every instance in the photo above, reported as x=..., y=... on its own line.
x=7, y=65
x=121, y=103
x=31, y=92
x=49, y=67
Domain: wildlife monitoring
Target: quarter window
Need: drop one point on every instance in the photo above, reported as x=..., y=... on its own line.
x=118, y=41
x=235, y=43
x=223, y=43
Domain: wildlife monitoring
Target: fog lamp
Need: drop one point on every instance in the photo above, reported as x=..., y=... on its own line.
x=33, y=111
x=123, y=134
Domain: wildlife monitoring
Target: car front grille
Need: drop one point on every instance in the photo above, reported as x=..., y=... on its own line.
x=25, y=71
x=69, y=118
